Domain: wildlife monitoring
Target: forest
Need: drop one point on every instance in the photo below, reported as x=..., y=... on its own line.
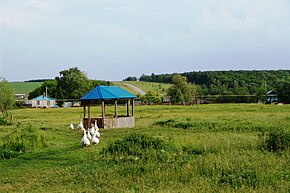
x=240, y=82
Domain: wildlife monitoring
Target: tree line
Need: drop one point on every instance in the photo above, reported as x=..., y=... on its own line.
x=241, y=82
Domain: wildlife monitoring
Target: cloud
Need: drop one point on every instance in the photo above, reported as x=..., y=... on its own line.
x=26, y=14
x=146, y=34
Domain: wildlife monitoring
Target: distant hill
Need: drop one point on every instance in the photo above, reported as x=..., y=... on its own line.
x=145, y=86
x=24, y=87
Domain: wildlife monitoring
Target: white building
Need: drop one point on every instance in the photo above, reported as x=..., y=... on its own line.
x=42, y=101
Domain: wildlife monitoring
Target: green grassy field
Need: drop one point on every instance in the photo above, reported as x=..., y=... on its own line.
x=202, y=148
x=24, y=87
x=145, y=86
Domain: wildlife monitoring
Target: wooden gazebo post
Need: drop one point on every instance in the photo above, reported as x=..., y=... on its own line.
x=116, y=110
x=132, y=107
x=89, y=116
x=84, y=112
x=103, y=113
x=128, y=104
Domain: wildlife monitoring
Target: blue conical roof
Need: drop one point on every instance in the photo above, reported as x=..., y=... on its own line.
x=108, y=92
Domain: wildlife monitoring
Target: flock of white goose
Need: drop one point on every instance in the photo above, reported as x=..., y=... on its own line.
x=91, y=136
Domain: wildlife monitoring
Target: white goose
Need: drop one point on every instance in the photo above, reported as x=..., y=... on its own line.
x=96, y=126
x=95, y=140
x=97, y=133
x=85, y=141
x=80, y=125
x=71, y=126
x=92, y=130
x=89, y=136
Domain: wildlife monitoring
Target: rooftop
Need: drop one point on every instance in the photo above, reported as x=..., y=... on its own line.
x=108, y=92
x=43, y=98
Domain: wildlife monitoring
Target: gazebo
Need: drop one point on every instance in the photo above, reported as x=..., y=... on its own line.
x=106, y=94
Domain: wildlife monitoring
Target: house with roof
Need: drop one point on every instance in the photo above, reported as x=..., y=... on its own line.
x=107, y=95
x=272, y=96
x=42, y=101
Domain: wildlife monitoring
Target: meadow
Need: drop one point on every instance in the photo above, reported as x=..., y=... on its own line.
x=24, y=87
x=200, y=148
x=154, y=87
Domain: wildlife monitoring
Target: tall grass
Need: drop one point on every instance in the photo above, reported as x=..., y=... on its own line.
x=21, y=140
x=206, y=148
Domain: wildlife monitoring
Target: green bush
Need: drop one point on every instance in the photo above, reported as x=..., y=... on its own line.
x=143, y=148
x=22, y=140
x=135, y=147
x=189, y=124
x=4, y=122
x=276, y=140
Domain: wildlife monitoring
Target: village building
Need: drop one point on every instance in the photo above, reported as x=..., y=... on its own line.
x=272, y=96
x=20, y=97
x=42, y=101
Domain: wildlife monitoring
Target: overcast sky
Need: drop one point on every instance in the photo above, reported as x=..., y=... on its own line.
x=114, y=39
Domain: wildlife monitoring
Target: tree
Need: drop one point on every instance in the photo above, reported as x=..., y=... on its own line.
x=261, y=92
x=7, y=99
x=151, y=97
x=49, y=85
x=130, y=78
x=72, y=84
x=283, y=90
x=181, y=90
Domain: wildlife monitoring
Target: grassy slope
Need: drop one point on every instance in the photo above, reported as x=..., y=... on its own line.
x=235, y=164
x=146, y=86
x=24, y=87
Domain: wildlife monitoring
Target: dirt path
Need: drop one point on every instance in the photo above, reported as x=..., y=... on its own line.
x=137, y=89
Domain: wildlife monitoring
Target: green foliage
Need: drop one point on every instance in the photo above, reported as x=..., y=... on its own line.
x=276, y=140
x=228, y=82
x=283, y=90
x=72, y=84
x=151, y=98
x=7, y=98
x=22, y=140
x=101, y=82
x=49, y=85
x=181, y=90
x=134, y=147
x=4, y=122
x=204, y=125
x=139, y=155
x=130, y=78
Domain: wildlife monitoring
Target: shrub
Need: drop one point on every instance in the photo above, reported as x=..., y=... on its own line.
x=20, y=141
x=187, y=124
x=4, y=122
x=143, y=148
x=275, y=140
x=135, y=147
